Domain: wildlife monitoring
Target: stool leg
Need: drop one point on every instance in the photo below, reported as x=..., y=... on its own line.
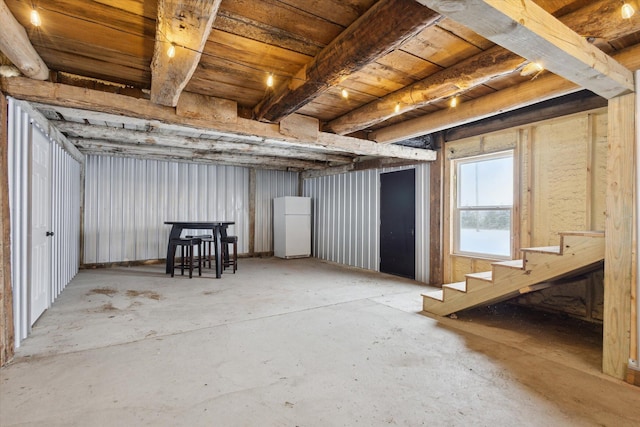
x=235, y=257
x=190, y=248
x=200, y=248
x=182, y=248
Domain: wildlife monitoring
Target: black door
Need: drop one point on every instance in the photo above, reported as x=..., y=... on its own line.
x=398, y=223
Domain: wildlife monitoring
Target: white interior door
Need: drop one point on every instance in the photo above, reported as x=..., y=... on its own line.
x=40, y=280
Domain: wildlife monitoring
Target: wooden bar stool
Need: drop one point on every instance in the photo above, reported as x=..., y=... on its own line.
x=207, y=253
x=187, y=254
x=228, y=260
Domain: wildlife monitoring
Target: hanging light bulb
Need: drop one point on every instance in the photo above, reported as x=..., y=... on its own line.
x=454, y=102
x=270, y=80
x=172, y=51
x=35, y=18
x=627, y=11
x=345, y=94
x=397, y=108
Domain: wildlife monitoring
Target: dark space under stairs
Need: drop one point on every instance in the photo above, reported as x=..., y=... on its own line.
x=578, y=251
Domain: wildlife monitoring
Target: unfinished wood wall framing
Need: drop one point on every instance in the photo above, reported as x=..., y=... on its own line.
x=560, y=168
x=6, y=300
x=618, y=273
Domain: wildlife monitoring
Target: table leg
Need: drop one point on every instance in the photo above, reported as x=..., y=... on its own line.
x=176, y=230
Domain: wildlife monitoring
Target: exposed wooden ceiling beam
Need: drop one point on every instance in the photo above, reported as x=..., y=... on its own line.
x=471, y=72
x=478, y=69
x=543, y=88
x=101, y=147
x=381, y=29
x=119, y=105
x=526, y=29
x=186, y=24
x=77, y=131
x=15, y=44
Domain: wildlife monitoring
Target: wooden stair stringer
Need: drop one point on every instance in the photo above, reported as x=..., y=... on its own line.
x=576, y=251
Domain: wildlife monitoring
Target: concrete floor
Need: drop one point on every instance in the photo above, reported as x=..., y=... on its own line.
x=299, y=343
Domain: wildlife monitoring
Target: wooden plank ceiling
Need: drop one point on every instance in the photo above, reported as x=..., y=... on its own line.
x=112, y=88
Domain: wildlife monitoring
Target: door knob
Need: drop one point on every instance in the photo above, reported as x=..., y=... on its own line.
x=49, y=233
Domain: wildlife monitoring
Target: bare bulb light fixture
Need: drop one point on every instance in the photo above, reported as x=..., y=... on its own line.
x=270, y=80
x=397, y=108
x=345, y=94
x=35, y=18
x=172, y=51
x=627, y=11
x=454, y=102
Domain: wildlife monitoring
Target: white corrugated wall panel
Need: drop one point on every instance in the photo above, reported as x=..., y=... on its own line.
x=346, y=217
x=65, y=187
x=269, y=185
x=128, y=200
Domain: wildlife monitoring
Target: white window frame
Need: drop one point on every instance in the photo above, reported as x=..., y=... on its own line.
x=455, y=225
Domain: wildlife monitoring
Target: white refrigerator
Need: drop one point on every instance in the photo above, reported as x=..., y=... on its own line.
x=292, y=227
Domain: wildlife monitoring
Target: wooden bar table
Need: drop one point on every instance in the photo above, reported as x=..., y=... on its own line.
x=218, y=229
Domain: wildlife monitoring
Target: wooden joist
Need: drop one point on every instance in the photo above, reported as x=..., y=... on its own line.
x=186, y=25
x=118, y=105
x=15, y=44
x=509, y=99
x=481, y=68
x=471, y=72
x=381, y=29
x=79, y=131
x=103, y=147
x=528, y=30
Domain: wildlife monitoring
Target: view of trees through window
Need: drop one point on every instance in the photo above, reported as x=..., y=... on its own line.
x=483, y=205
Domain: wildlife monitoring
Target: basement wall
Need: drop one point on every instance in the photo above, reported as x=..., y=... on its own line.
x=64, y=215
x=128, y=200
x=560, y=166
x=346, y=218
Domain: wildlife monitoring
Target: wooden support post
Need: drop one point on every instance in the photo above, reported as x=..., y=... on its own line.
x=436, y=172
x=6, y=296
x=618, y=238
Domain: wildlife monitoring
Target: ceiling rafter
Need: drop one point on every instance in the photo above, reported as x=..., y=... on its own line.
x=185, y=24
x=15, y=44
x=509, y=99
x=381, y=29
x=526, y=29
x=481, y=68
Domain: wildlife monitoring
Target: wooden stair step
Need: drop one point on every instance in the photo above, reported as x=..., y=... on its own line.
x=458, y=286
x=515, y=263
x=483, y=275
x=434, y=295
x=543, y=250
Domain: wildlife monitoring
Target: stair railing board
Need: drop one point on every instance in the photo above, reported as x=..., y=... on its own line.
x=576, y=251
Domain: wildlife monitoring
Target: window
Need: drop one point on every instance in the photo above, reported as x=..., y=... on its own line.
x=483, y=205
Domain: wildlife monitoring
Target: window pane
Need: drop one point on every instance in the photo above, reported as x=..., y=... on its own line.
x=486, y=182
x=486, y=232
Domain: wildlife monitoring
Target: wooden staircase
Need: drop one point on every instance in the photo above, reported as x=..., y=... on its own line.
x=578, y=251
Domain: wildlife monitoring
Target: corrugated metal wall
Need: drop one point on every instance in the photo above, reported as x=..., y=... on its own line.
x=128, y=200
x=346, y=218
x=65, y=185
x=66, y=219
x=270, y=184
